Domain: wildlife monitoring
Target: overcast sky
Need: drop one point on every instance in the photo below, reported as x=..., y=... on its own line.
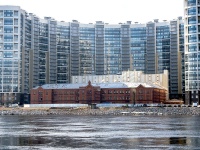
x=108, y=11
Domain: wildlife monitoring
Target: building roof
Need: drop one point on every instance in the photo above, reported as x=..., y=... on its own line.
x=101, y=85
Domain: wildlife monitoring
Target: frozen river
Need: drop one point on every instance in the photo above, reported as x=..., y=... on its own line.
x=100, y=132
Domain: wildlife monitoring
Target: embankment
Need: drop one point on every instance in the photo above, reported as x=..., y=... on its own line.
x=102, y=111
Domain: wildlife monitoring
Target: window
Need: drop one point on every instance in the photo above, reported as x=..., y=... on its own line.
x=1, y=21
x=8, y=54
x=8, y=38
x=15, y=13
x=7, y=63
x=15, y=29
x=191, y=2
x=157, y=78
x=192, y=20
x=8, y=46
x=15, y=38
x=8, y=29
x=192, y=38
x=8, y=13
x=15, y=21
x=1, y=13
x=89, y=92
x=15, y=46
x=192, y=29
x=1, y=29
x=192, y=47
x=15, y=54
x=8, y=21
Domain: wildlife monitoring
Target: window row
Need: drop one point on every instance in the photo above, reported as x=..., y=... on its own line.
x=9, y=13
x=8, y=54
x=8, y=29
x=116, y=91
x=8, y=38
x=9, y=46
x=9, y=88
x=9, y=21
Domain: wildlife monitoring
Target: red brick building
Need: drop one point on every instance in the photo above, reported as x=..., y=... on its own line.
x=129, y=93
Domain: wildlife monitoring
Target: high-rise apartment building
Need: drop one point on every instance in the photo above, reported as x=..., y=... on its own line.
x=11, y=49
x=192, y=50
x=35, y=51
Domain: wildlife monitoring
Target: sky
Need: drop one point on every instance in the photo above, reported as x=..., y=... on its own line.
x=108, y=11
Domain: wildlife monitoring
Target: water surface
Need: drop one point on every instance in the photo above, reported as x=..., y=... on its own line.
x=100, y=132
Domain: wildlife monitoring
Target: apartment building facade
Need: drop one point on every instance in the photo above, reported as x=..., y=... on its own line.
x=192, y=48
x=128, y=77
x=45, y=51
x=11, y=31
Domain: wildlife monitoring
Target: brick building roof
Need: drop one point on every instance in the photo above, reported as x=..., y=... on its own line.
x=101, y=85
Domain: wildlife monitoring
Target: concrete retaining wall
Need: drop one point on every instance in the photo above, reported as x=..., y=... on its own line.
x=114, y=105
x=73, y=105
x=54, y=105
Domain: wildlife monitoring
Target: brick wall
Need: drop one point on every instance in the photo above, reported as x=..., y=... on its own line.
x=94, y=94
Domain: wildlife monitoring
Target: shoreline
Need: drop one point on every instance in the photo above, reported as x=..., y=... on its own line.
x=132, y=111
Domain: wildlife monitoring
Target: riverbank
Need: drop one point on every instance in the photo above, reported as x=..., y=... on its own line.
x=102, y=111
